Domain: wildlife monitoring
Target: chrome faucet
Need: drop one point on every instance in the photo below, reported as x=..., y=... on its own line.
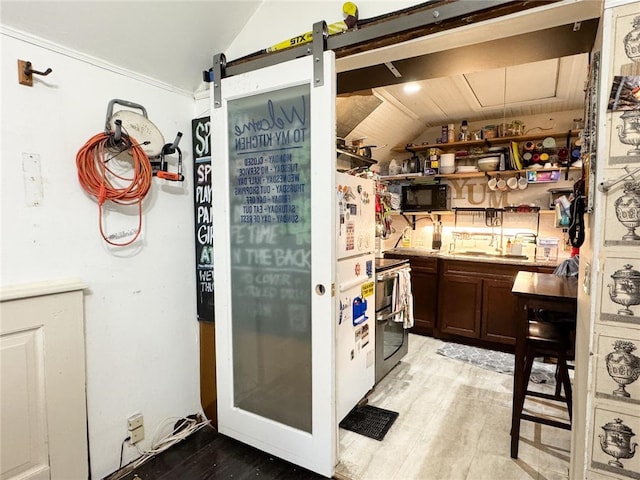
x=496, y=241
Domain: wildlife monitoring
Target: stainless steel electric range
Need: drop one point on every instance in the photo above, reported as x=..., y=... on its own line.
x=392, y=339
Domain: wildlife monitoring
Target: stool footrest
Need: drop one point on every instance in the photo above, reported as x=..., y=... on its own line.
x=546, y=421
x=548, y=396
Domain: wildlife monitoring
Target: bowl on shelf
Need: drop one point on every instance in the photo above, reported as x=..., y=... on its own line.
x=488, y=164
x=466, y=169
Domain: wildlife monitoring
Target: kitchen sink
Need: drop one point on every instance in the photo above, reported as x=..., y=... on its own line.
x=421, y=251
x=473, y=253
x=414, y=251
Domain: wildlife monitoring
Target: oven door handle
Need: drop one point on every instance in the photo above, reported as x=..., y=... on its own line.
x=394, y=273
x=385, y=276
x=387, y=316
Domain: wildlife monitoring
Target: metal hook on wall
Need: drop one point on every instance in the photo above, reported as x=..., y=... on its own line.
x=26, y=72
x=606, y=185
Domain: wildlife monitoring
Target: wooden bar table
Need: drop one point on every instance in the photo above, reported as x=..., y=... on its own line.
x=535, y=291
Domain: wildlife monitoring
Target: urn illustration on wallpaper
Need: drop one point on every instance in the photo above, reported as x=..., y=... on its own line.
x=616, y=442
x=629, y=131
x=627, y=208
x=632, y=41
x=623, y=366
x=625, y=289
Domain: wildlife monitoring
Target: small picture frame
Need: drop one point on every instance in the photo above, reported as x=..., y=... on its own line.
x=534, y=176
x=625, y=93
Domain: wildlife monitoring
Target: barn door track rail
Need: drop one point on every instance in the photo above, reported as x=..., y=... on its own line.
x=386, y=26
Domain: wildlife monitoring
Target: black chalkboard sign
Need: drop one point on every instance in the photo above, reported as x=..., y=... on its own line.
x=201, y=134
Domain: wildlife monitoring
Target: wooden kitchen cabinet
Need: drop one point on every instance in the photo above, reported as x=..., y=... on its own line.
x=499, y=309
x=475, y=300
x=464, y=300
x=424, y=288
x=460, y=299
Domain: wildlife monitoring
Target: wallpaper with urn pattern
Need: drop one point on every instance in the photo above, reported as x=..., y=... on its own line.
x=614, y=427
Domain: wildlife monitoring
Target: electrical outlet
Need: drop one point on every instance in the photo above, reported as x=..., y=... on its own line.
x=135, y=421
x=136, y=435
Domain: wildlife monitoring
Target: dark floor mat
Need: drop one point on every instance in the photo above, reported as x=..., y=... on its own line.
x=372, y=422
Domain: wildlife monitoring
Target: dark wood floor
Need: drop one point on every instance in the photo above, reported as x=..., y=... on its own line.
x=207, y=454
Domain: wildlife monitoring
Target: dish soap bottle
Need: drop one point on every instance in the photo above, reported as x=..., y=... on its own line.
x=436, y=241
x=406, y=237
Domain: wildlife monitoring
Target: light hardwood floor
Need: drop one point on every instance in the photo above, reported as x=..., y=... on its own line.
x=454, y=424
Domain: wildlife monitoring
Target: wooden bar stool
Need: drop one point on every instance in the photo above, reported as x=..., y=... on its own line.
x=538, y=334
x=548, y=339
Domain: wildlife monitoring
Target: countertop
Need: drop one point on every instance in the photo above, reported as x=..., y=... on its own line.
x=383, y=264
x=474, y=257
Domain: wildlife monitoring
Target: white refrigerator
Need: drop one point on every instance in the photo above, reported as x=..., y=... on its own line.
x=355, y=288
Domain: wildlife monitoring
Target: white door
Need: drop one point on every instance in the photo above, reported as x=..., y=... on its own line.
x=43, y=407
x=273, y=164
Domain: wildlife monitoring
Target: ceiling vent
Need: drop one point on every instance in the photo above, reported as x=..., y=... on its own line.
x=517, y=84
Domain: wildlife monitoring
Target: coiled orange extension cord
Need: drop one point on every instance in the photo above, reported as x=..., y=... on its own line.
x=96, y=177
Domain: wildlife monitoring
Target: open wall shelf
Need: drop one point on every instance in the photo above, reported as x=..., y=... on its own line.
x=488, y=142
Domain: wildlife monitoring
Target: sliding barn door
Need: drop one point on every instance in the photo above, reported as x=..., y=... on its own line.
x=273, y=164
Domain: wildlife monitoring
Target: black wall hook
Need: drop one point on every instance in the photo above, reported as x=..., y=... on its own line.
x=26, y=72
x=30, y=71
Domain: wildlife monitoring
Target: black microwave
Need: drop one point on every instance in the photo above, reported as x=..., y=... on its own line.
x=424, y=198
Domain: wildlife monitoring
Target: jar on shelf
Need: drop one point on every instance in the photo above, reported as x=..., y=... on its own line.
x=577, y=124
x=489, y=131
x=464, y=131
x=516, y=128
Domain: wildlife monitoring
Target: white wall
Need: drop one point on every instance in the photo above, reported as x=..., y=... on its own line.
x=141, y=330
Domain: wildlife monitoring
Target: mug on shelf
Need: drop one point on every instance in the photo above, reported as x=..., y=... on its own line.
x=492, y=183
x=512, y=183
x=523, y=183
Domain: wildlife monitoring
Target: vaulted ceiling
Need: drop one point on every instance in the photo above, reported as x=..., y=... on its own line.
x=169, y=41
x=529, y=61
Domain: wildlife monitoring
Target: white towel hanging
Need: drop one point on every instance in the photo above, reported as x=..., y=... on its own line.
x=402, y=299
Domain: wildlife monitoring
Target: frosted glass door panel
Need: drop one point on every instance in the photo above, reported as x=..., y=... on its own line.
x=270, y=220
x=274, y=302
